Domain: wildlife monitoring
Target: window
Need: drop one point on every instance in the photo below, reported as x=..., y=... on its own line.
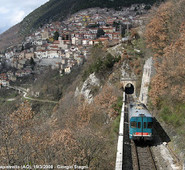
x=150, y=124
x=133, y=124
x=144, y=125
x=139, y=124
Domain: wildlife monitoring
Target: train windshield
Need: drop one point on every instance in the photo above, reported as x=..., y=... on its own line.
x=150, y=124
x=133, y=124
x=145, y=125
x=139, y=124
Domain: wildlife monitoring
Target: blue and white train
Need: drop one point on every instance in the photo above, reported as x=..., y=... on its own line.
x=140, y=122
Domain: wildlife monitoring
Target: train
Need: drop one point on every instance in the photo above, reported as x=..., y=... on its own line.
x=140, y=122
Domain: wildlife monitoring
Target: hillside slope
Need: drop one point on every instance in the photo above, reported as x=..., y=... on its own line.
x=55, y=10
x=10, y=38
x=74, y=132
x=59, y=9
x=165, y=35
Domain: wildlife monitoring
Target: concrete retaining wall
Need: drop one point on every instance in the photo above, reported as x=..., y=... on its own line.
x=119, y=155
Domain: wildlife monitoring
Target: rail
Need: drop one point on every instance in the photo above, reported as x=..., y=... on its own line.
x=142, y=157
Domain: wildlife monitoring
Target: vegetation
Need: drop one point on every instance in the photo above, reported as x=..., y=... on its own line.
x=176, y=117
x=165, y=36
x=101, y=62
x=100, y=32
x=117, y=107
x=168, y=48
x=56, y=35
x=136, y=53
x=7, y=93
x=73, y=132
x=51, y=85
x=32, y=63
x=6, y=107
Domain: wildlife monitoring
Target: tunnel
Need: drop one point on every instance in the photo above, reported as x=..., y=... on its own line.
x=129, y=88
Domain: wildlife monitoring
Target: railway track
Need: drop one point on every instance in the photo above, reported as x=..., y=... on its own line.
x=141, y=154
x=127, y=156
x=127, y=153
x=136, y=156
x=142, y=157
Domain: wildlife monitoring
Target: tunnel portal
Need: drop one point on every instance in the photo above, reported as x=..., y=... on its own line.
x=129, y=88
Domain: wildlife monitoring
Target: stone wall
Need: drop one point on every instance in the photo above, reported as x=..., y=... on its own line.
x=148, y=71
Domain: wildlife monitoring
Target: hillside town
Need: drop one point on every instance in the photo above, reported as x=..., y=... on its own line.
x=66, y=45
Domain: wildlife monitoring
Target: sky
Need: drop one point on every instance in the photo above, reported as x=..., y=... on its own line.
x=13, y=11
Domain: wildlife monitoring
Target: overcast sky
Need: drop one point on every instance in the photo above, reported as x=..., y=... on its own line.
x=13, y=11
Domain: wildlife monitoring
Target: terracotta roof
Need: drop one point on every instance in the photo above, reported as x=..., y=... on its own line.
x=54, y=46
x=56, y=42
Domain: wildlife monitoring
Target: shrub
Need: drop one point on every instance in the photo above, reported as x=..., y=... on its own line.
x=116, y=125
x=100, y=64
x=165, y=113
x=173, y=116
x=117, y=107
x=109, y=61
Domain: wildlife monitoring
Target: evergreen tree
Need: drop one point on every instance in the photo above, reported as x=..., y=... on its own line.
x=100, y=32
x=22, y=48
x=56, y=35
x=32, y=63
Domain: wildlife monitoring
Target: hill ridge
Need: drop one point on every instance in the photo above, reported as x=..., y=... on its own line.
x=58, y=10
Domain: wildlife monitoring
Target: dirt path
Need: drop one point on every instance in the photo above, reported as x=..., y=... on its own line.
x=24, y=91
x=39, y=100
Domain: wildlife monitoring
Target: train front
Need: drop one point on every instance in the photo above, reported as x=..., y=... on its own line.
x=141, y=123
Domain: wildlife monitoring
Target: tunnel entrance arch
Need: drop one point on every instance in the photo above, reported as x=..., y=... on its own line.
x=129, y=88
x=129, y=85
